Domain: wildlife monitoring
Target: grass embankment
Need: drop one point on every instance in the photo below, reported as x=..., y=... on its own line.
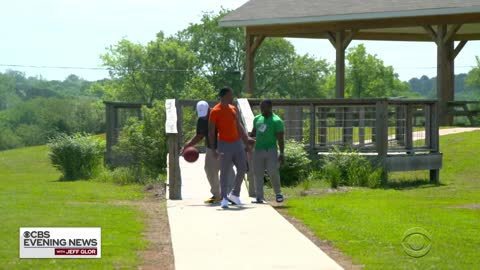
x=32, y=196
x=369, y=224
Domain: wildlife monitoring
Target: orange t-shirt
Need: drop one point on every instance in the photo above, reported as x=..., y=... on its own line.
x=225, y=119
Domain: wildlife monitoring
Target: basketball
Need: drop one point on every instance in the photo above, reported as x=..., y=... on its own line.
x=190, y=154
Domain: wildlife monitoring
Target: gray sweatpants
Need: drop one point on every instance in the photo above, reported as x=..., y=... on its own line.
x=266, y=160
x=231, y=154
x=212, y=168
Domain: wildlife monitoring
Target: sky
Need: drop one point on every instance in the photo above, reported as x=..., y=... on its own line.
x=55, y=38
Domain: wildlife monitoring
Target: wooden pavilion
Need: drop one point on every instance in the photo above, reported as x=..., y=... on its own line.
x=440, y=21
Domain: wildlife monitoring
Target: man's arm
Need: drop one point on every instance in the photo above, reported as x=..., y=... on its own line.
x=281, y=141
x=281, y=145
x=253, y=134
x=194, y=141
x=201, y=130
x=211, y=134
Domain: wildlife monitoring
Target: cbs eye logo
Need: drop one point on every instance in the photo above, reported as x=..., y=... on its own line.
x=416, y=242
x=36, y=234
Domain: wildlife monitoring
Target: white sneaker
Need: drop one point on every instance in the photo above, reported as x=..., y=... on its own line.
x=234, y=199
x=224, y=203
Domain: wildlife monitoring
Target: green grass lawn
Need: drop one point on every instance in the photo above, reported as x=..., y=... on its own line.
x=369, y=225
x=32, y=196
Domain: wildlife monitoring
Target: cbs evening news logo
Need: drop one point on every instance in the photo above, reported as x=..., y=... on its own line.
x=60, y=242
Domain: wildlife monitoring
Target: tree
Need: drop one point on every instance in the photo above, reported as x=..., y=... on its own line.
x=279, y=71
x=219, y=49
x=473, y=77
x=199, y=88
x=309, y=77
x=367, y=76
x=158, y=70
x=425, y=86
x=7, y=91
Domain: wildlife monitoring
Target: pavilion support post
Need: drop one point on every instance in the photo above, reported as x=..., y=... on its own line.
x=340, y=64
x=445, y=75
x=251, y=45
x=249, y=66
x=446, y=53
x=340, y=40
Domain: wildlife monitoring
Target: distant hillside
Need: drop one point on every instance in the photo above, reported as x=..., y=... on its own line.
x=427, y=87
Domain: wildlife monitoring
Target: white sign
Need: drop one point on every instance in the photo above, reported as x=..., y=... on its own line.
x=171, y=114
x=247, y=113
x=60, y=242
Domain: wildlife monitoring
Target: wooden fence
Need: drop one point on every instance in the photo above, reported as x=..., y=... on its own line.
x=402, y=134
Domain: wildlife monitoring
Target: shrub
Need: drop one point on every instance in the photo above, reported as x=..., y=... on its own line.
x=296, y=165
x=144, y=142
x=349, y=168
x=77, y=156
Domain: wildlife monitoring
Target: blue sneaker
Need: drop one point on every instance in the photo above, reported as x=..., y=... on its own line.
x=224, y=203
x=279, y=198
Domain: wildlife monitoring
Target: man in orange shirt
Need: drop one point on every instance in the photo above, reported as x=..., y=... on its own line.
x=231, y=151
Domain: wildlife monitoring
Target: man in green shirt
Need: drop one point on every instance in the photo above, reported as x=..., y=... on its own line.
x=268, y=129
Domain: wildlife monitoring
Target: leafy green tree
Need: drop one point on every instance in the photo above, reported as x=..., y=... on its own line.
x=8, y=96
x=145, y=142
x=279, y=71
x=219, y=49
x=31, y=134
x=473, y=77
x=309, y=77
x=8, y=138
x=367, y=76
x=274, y=61
x=424, y=85
x=199, y=88
x=144, y=73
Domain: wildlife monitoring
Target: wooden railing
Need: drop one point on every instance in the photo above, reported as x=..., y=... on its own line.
x=402, y=134
x=469, y=109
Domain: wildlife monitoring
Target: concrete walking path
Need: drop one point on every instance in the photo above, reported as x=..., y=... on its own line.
x=249, y=237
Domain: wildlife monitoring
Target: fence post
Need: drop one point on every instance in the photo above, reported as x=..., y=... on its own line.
x=428, y=125
x=312, y=128
x=409, y=118
x=322, y=129
x=381, y=136
x=434, y=140
x=361, y=126
x=347, y=133
x=400, y=119
x=171, y=128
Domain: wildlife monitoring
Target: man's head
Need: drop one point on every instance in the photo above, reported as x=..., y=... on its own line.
x=202, y=108
x=266, y=107
x=226, y=95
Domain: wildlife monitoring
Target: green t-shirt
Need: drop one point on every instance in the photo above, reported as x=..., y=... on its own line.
x=266, y=131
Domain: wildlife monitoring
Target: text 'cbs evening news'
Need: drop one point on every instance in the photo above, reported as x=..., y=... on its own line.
x=60, y=242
